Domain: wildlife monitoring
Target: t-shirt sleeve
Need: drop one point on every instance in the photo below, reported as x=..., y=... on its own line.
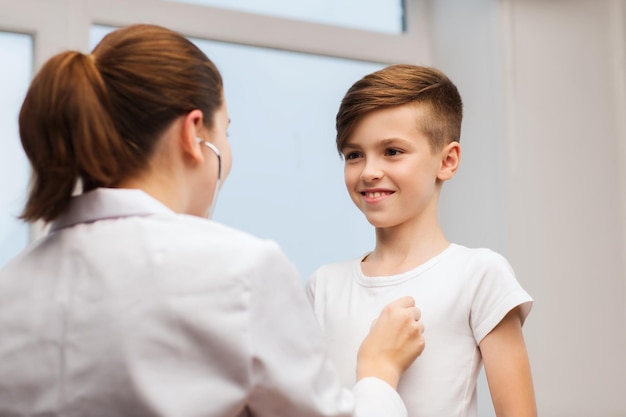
x=495, y=291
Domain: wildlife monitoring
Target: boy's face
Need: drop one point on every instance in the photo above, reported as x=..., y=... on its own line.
x=392, y=174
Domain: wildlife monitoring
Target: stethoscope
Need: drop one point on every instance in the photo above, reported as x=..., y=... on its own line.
x=218, y=183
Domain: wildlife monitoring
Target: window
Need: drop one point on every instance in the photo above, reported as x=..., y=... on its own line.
x=14, y=169
x=287, y=178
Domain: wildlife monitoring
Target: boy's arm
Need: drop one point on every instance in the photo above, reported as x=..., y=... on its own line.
x=508, y=369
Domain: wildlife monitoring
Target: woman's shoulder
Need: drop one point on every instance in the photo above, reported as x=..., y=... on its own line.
x=198, y=229
x=197, y=241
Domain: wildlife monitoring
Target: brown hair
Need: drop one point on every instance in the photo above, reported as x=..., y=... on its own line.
x=97, y=118
x=398, y=85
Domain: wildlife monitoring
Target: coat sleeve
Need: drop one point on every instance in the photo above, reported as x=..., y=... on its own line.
x=291, y=373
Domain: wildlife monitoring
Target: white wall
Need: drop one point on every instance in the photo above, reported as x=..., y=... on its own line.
x=542, y=179
x=466, y=47
x=565, y=218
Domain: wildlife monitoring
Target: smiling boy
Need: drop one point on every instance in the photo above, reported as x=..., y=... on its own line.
x=398, y=130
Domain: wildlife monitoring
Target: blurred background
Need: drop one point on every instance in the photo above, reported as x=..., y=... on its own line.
x=543, y=172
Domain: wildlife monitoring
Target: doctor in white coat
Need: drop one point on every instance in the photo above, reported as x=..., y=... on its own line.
x=136, y=304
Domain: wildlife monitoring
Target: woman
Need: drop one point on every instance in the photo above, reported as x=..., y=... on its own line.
x=137, y=305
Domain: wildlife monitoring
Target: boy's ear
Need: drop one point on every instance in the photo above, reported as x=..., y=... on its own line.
x=450, y=158
x=192, y=124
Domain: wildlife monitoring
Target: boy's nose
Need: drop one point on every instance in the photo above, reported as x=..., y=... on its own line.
x=371, y=172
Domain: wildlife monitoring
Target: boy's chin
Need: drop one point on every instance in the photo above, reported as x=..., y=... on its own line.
x=379, y=223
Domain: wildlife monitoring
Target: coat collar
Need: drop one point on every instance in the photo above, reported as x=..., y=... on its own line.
x=108, y=203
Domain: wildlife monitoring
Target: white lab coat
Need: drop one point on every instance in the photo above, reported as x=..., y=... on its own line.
x=128, y=309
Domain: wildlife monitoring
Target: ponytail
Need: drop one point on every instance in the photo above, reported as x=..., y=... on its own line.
x=68, y=134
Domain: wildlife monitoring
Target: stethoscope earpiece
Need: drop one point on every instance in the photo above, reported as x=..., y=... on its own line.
x=218, y=184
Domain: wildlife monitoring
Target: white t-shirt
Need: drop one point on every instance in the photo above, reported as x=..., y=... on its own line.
x=463, y=294
x=129, y=309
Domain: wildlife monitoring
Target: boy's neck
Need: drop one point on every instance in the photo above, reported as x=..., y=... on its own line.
x=403, y=248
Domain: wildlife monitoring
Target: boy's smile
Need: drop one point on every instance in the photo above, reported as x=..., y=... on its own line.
x=375, y=195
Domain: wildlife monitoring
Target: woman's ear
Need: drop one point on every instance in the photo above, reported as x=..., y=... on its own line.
x=192, y=124
x=450, y=158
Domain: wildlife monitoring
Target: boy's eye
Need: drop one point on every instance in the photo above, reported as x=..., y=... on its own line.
x=393, y=152
x=351, y=155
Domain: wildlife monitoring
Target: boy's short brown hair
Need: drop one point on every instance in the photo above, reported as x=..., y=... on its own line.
x=402, y=84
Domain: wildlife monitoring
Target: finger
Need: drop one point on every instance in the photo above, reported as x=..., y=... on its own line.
x=420, y=326
x=416, y=313
x=406, y=301
x=373, y=324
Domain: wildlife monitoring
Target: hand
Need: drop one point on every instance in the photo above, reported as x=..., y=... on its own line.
x=395, y=340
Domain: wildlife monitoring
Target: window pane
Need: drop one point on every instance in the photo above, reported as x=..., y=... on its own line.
x=287, y=177
x=16, y=49
x=375, y=15
x=286, y=183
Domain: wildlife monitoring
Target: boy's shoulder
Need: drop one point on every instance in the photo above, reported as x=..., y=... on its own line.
x=335, y=271
x=477, y=256
x=339, y=267
x=477, y=253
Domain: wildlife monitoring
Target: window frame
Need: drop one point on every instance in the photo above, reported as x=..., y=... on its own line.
x=62, y=24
